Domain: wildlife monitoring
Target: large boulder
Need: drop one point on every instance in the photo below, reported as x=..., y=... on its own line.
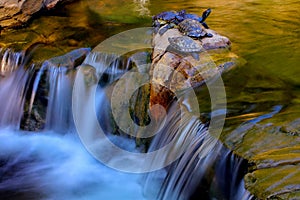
x=14, y=13
x=172, y=72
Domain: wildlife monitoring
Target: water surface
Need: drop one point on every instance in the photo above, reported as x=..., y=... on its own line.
x=264, y=33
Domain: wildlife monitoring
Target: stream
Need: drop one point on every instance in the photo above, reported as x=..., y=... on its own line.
x=54, y=164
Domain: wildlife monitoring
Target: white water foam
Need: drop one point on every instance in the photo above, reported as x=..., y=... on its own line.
x=58, y=167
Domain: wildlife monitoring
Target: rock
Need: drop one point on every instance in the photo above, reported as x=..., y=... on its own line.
x=272, y=148
x=15, y=13
x=215, y=42
x=69, y=60
x=275, y=183
x=171, y=73
x=34, y=116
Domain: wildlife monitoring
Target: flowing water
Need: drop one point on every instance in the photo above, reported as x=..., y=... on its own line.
x=51, y=165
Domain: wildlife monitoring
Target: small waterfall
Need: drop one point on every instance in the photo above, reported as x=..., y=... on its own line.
x=56, y=166
x=40, y=97
x=48, y=164
x=205, y=170
x=14, y=83
x=228, y=179
x=109, y=67
x=52, y=89
x=10, y=61
x=58, y=116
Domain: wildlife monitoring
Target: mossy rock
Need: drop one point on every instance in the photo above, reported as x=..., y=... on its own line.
x=275, y=183
x=272, y=147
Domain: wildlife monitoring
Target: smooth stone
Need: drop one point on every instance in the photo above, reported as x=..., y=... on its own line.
x=15, y=13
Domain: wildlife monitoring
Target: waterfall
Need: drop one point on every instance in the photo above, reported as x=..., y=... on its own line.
x=197, y=174
x=10, y=61
x=14, y=83
x=50, y=99
x=47, y=164
x=59, y=102
x=205, y=170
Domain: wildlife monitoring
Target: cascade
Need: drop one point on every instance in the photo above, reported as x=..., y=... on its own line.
x=10, y=61
x=46, y=164
x=205, y=170
x=14, y=81
x=36, y=165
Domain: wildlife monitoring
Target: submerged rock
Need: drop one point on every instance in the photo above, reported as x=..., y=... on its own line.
x=15, y=13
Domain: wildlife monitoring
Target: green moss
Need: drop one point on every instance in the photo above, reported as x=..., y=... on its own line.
x=272, y=183
x=272, y=147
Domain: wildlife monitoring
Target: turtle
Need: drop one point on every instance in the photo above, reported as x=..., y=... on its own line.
x=202, y=19
x=193, y=28
x=184, y=45
x=170, y=19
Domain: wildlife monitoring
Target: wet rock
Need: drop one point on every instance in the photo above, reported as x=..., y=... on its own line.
x=69, y=60
x=272, y=148
x=15, y=13
x=275, y=183
x=90, y=76
x=172, y=72
x=35, y=112
x=215, y=42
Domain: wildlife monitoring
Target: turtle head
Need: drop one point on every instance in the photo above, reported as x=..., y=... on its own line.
x=179, y=16
x=205, y=14
x=181, y=12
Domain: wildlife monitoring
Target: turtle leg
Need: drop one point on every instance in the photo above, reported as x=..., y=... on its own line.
x=155, y=29
x=195, y=56
x=209, y=35
x=165, y=28
x=156, y=25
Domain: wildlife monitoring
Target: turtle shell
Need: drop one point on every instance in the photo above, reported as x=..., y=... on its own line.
x=169, y=16
x=184, y=44
x=192, y=28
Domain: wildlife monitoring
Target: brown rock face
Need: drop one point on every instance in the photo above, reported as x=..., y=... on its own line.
x=16, y=12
